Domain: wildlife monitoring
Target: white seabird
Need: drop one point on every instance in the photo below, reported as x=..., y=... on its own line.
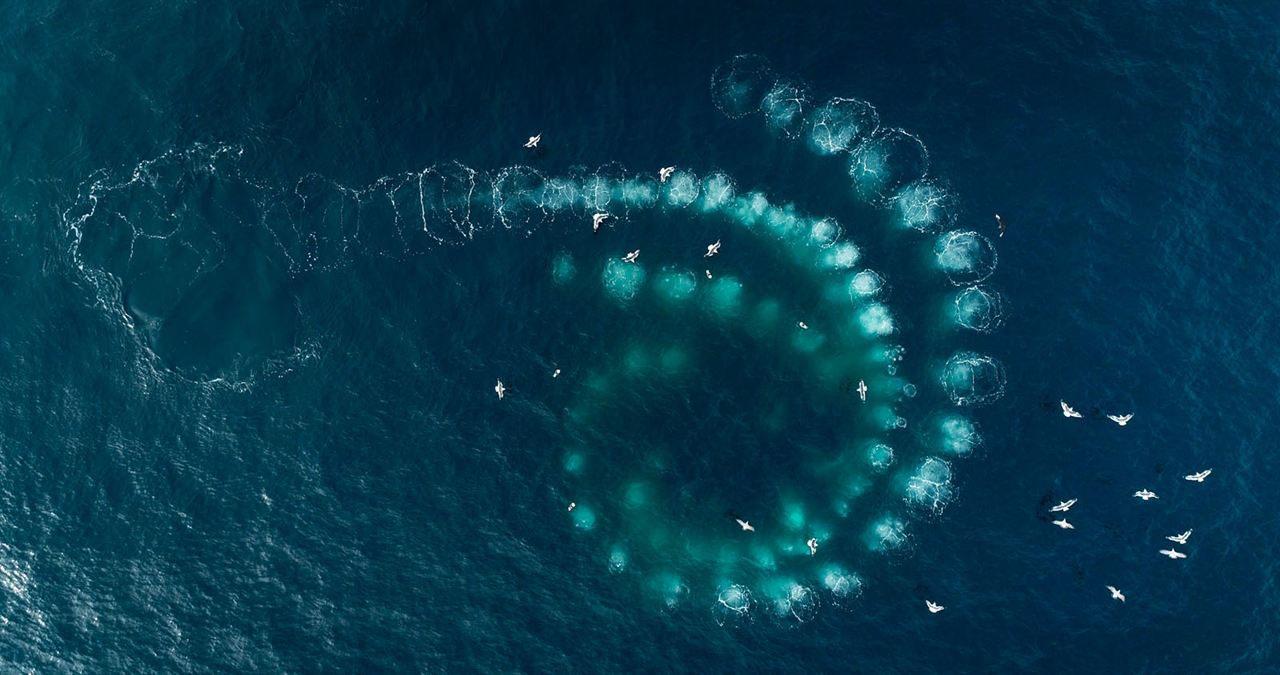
x=665, y=172
x=712, y=249
x=1199, y=477
x=1180, y=538
x=556, y=373
x=708, y=273
x=1064, y=524
x=1173, y=555
x=1145, y=495
x=501, y=389
x=573, y=505
x=1063, y=507
x=934, y=607
x=813, y=545
x=746, y=527
x=598, y=219
x=533, y=141
x=1115, y=593
x=1068, y=411
x=862, y=390
x=1120, y=419
x=632, y=256
x=802, y=325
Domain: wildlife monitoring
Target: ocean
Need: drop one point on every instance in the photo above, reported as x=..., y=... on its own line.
x=263, y=265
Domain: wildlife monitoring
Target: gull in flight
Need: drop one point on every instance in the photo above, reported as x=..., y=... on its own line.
x=1063, y=507
x=1145, y=495
x=556, y=373
x=1199, y=477
x=597, y=220
x=813, y=545
x=1000, y=224
x=665, y=172
x=1068, y=411
x=533, y=141
x=862, y=390
x=1064, y=524
x=934, y=607
x=632, y=256
x=746, y=527
x=501, y=389
x=1120, y=419
x=1115, y=593
x=573, y=505
x=802, y=325
x=712, y=249
x=1173, y=555
x=1181, y=538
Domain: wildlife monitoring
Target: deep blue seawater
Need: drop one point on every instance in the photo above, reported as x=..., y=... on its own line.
x=221, y=450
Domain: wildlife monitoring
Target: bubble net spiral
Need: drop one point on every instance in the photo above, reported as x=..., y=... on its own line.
x=803, y=458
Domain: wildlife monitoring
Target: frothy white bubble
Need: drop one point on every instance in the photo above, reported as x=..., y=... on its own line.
x=518, y=198
x=682, y=189
x=841, y=256
x=978, y=309
x=675, y=285
x=886, y=162
x=733, y=605
x=966, y=256
x=843, y=585
x=888, y=533
x=865, y=284
x=739, y=85
x=718, y=191
x=824, y=232
x=875, y=320
x=929, y=487
x=880, y=457
x=841, y=124
x=973, y=379
x=784, y=106
x=622, y=280
x=958, y=435
x=923, y=206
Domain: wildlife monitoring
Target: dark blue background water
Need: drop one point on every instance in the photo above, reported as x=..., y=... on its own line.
x=357, y=508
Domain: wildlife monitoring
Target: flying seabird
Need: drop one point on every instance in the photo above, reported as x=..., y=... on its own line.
x=501, y=389
x=934, y=607
x=712, y=249
x=813, y=545
x=1120, y=419
x=533, y=141
x=802, y=325
x=862, y=390
x=746, y=527
x=1181, y=538
x=632, y=256
x=1145, y=495
x=1064, y=524
x=1115, y=593
x=1068, y=411
x=1199, y=477
x=1173, y=555
x=1000, y=224
x=1064, y=506
x=597, y=220
x=665, y=172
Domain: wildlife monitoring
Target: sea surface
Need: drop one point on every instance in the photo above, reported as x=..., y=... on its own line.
x=263, y=263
